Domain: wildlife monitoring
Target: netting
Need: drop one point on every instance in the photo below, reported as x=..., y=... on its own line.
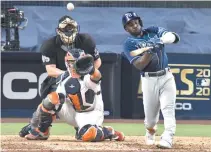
x=108, y=3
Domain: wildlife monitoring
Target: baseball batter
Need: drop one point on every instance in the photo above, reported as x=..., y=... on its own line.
x=158, y=84
x=77, y=100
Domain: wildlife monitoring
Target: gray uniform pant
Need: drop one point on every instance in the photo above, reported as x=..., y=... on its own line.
x=159, y=93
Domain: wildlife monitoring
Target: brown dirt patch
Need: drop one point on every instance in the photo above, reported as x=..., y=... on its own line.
x=12, y=143
x=131, y=143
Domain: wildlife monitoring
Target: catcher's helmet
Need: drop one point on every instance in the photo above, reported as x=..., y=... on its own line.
x=73, y=54
x=67, y=29
x=77, y=60
x=127, y=17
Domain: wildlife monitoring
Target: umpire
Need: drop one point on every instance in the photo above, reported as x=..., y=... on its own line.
x=55, y=49
x=53, y=53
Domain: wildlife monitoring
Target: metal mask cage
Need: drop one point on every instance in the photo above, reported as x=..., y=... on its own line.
x=68, y=29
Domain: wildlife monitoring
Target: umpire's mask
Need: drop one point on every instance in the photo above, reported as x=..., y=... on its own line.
x=67, y=29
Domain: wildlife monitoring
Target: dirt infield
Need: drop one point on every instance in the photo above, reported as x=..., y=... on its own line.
x=12, y=143
x=131, y=143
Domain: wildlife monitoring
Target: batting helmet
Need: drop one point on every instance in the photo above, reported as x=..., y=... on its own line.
x=127, y=17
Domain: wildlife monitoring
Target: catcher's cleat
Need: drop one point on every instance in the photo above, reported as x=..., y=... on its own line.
x=35, y=134
x=118, y=136
x=25, y=130
x=77, y=137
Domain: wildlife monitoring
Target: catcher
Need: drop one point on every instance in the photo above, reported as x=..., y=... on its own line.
x=77, y=100
x=53, y=52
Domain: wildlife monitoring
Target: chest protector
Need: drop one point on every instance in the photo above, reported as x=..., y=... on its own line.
x=81, y=97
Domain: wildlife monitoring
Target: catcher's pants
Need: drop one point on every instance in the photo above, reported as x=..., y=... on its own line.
x=159, y=93
x=80, y=119
x=76, y=119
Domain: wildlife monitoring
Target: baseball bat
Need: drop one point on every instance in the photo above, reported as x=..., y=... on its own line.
x=140, y=51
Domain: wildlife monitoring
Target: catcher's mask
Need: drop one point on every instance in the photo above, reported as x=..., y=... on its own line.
x=67, y=29
x=72, y=57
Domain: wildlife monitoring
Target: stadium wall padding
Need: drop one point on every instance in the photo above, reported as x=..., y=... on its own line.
x=22, y=73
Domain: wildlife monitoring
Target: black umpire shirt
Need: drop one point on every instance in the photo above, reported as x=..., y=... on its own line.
x=53, y=51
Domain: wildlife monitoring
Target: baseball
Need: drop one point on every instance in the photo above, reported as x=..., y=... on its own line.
x=70, y=6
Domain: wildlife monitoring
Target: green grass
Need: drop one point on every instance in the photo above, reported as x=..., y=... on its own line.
x=130, y=129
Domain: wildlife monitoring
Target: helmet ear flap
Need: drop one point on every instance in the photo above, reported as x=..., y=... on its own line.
x=140, y=21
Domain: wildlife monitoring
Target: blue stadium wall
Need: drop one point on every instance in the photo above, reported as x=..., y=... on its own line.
x=190, y=60
x=22, y=73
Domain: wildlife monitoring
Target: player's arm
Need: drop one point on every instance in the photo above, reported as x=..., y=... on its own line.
x=97, y=63
x=89, y=46
x=139, y=60
x=95, y=76
x=93, y=80
x=140, y=51
x=165, y=36
x=131, y=50
x=53, y=71
x=49, y=60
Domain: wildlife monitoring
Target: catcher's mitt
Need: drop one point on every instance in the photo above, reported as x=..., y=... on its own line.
x=84, y=65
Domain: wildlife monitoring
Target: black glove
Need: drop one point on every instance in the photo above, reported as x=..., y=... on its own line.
x=84, y=65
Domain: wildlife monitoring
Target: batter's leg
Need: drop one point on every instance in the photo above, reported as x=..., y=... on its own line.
x=151, y=107
x=167, y=102
x=150, y=101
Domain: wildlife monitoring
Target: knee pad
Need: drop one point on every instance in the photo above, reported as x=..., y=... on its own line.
x=53, y=99
x=91, y=133
x=50, y=101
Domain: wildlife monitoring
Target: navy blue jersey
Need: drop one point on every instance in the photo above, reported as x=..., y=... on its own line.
x=159, y=60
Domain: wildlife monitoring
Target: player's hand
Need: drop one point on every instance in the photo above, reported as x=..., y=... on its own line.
x=157, y=41
x=156, y=44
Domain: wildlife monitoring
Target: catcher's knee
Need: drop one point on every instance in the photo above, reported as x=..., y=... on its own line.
x=51, y=100
x=46, y=115
x=91, y=133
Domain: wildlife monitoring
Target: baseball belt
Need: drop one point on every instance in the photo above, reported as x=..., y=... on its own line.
x=157, y=73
